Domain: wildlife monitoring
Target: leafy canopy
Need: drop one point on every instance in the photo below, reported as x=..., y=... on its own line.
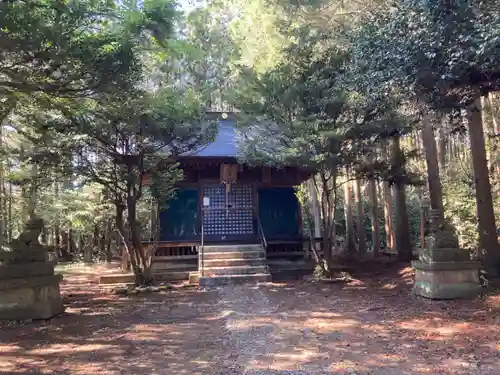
x=75, y=48
x=444, y=52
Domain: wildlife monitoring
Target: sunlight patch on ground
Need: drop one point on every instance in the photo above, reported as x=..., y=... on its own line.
x=389, y=286
x=68, y=348
x=407, y=271
x=310, y=324
x=316, y=314
x=11, y=348
x=226, y=314
x=302, y=356
x=433, y=327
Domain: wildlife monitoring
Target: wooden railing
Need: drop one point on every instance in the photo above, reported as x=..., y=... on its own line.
x=174, y=250
x=276, y=249
x=202, y=254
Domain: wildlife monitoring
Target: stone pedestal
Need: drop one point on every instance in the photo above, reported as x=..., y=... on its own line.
x=446, y=280
x=444, y=271
x=36, y=297
x=28, y=287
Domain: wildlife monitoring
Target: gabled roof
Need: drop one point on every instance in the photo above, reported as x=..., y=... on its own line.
x=232, y=142
x=225, y=143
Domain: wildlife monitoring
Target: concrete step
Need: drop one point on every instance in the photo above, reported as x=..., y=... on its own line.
x=120, y=278
x=165, y=267
x=234, y=262
x=244, y=270
x=231, y=248
x=234, y=279
x=171, y=276
x=234, y=255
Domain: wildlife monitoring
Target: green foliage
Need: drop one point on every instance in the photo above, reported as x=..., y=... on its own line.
x=79, y=209
x=445, y=53
x=92, y=120
x=100, y=96
x=162, y=184
x=62, y=48
x=460, y=204
x=311, y=113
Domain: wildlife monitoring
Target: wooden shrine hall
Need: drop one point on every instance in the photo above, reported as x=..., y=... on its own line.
x=222, y=205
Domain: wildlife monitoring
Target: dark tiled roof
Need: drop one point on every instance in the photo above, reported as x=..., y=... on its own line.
x=225, y=143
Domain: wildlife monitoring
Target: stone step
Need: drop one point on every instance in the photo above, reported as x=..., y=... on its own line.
x=234, y=279
x=234, y=255
x=244, y=270
x=164, y=266
x=234, y=262
x=230, y=248
x=120, y=278
x=171, y=276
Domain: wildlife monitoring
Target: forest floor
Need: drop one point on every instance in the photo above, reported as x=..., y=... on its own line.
x=371, y=325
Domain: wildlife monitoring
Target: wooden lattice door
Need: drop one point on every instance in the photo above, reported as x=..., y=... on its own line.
x=229, y=216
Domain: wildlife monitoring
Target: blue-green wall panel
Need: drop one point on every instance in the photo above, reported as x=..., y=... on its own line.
x=279, y=212
x=180, y=220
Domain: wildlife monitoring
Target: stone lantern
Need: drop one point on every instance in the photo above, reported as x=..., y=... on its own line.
x=29, y=289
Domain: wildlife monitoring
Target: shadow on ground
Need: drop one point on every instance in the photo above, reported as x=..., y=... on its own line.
x=371, y=325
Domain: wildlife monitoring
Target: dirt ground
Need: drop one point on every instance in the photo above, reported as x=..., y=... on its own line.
x=371, y=325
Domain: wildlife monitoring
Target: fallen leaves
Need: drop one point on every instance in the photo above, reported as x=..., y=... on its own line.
x=303, y=326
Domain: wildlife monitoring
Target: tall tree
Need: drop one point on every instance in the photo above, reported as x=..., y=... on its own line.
x=388, y=214
x=487, y=227
x=360, y=217
x=403, y=240
x=75, y=49
x=350, y=243
x=132, y=138
x=448, y=59
x=374, y=217
x=431, y=157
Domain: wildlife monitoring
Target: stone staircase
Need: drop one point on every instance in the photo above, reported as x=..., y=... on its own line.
x=233, y=264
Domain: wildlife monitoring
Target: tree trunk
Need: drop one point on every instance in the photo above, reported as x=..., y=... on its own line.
x=442, y=146
x=96, y=239
x=65, y=245
x=328, y=210
x=495, y=132
x=388, y=217
x=87, y=248
x=33, y=191
x=314, y=220
x=2, y=190
x=403, y=239
x=451, y=147
x=488, y=141
x=488, y=240
x=423, y=222
x=315, y=208
x=24, y=188
x=120, y=226
x=72, y=248
x=57, y=225
x=360, y=218
x=431, y=159
x=144, y=277
x=108, y=236
x=496, y=123
x=372, y=188
x=9, y=214
x=350, y=245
